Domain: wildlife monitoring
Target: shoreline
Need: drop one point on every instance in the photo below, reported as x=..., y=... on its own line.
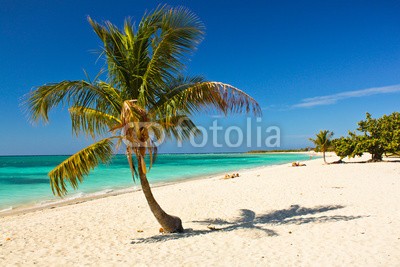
x=30, y=208
x=319, y=214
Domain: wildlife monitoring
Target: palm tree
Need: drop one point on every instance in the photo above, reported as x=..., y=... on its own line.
x=322, y=142
x=143, y=91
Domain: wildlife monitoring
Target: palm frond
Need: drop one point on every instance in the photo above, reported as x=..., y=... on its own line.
x=192, y=98
x=115, y=51
x=181, y=32
x=153, y=153
x=91, y=121
x=73, y=169
x=131, y=162
x=78, y=93
x=180, y=127
x=126, y=53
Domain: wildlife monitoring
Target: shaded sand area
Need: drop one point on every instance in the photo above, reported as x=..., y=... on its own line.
x=315, y=215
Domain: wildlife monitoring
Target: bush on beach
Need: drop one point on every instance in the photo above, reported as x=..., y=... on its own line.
x=377, y=136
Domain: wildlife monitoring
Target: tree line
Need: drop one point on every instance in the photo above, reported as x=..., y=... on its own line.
x=377, y=136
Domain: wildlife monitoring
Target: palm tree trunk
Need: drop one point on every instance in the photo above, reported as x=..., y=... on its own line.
x=323, y=153
x=170, y=224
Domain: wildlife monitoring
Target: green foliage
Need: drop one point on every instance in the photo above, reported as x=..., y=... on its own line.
x=322, y=141
x=377, y=137
x=345, y=147
x=144, y=84
x=79, y=165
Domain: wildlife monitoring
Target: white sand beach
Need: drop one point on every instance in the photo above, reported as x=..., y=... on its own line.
x=316, y=215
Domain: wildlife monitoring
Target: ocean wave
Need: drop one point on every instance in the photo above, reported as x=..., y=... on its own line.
x=76, y=196
x=6, y=209
x=53, y=202
x=102, y=192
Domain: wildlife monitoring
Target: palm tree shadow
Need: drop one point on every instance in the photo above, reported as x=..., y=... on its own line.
x=249, y=220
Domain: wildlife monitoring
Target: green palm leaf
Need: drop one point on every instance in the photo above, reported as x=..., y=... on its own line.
x=182, y=32
x=195, y=97
x=77, y=93
x=73, y=169
x=91, y=121
x=180, y=127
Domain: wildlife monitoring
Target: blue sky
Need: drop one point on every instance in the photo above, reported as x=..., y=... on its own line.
x=311, y=65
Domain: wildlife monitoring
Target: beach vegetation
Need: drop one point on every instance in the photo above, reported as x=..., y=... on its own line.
x=322, y=142
x=376, y=136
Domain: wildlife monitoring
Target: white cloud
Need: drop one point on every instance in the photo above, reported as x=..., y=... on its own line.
x=333, y=99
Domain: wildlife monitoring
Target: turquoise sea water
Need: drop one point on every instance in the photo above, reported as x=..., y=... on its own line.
x=23, y=179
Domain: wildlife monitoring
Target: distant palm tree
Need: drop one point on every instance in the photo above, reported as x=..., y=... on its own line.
x=143, y=89
x=322, y=142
